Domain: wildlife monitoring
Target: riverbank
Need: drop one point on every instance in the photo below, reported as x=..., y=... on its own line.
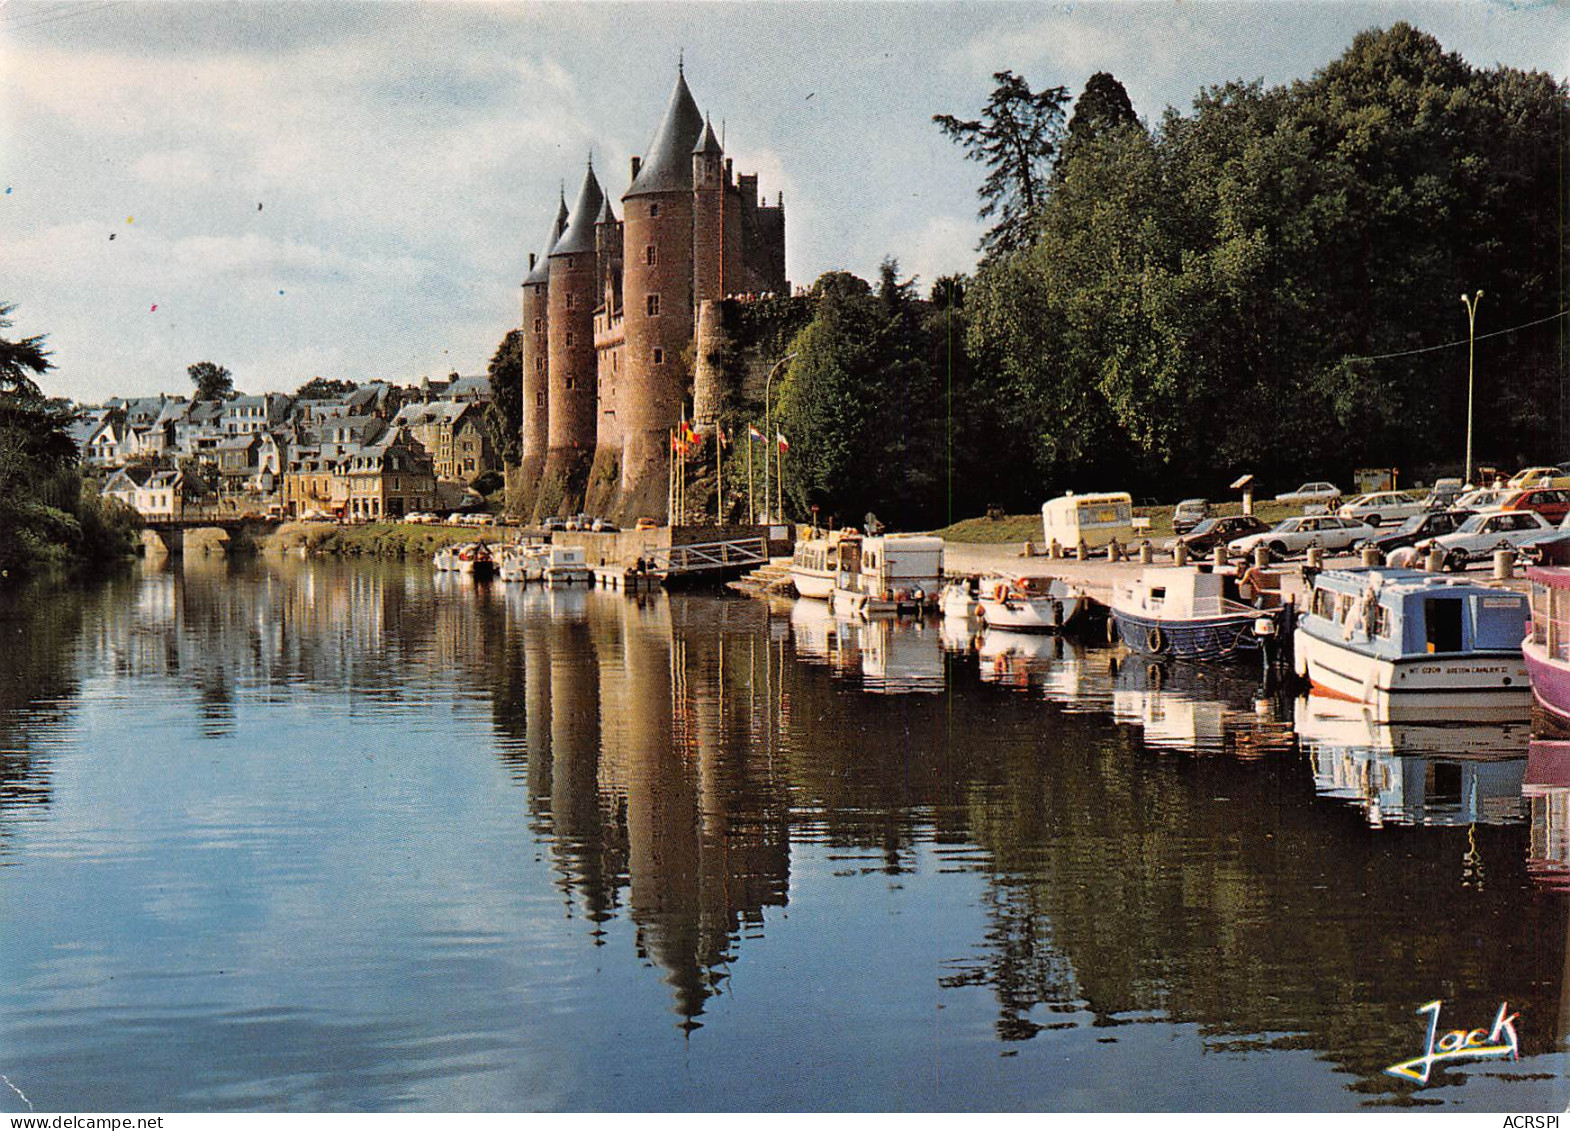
x=373, y=539
x=1027, y=527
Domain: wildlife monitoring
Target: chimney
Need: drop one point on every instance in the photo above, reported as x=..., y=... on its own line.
x=637, y=163
x=531, y=261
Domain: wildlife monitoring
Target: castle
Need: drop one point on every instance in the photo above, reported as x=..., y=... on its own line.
x=610, y=315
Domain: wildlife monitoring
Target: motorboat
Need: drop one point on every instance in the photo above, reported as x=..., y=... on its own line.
x=566, y=565
x=1415, y=645
x=1030, y=604
x=888, y=573
x=1196, y=612
x=1546, y=648
x=813, y=564
x=516, y=559
x=474, y=558
x=960, y=599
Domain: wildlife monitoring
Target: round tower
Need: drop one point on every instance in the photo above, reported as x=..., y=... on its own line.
x=657, y=219
x=536, y=356
x=708, y=218
x=570, y=369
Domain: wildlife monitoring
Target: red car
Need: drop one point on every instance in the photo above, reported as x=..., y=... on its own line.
x=1550, y=502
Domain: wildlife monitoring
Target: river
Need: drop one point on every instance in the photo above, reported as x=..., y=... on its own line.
x=310, y=835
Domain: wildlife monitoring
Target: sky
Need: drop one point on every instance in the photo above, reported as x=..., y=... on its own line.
x=352, y=191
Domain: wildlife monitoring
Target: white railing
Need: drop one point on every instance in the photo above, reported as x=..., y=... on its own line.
x=708, y=555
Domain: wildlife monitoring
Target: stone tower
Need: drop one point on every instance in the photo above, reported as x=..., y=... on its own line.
x=574, y=275
x=708, y=218
x=657, y=214
x=536, y=360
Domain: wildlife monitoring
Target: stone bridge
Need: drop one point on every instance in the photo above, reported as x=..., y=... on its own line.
x=162, y=536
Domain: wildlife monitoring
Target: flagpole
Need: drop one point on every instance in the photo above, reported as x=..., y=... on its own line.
x=781, y=478
x=752, y=505
x=719, y=476
x=670, y=477
x=765, y=474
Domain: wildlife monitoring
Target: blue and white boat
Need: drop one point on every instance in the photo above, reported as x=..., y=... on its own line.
x=1411, y=645
x=1196, y=613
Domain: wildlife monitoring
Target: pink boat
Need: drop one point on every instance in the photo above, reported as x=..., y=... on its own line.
x=1547, y=643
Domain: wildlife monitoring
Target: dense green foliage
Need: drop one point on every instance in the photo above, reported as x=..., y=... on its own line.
x=46, y=515
x=324, y=389
x=213, y=382
x=504, y=415
x=1215, y=296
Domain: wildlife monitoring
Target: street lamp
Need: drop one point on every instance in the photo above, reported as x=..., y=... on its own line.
x=1471, y=347
x=767, y=428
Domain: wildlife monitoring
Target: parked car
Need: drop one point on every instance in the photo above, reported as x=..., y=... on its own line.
x=1312, y=493
x=604, y=526
x=1417, y=529
x=555, y=522
x=1294, y=535
x=1377, y=506
x=1443, y=494
x=1189, y=514
x=646, y=524
x=1486, y=532
x=1550, y=502
x=1533, y=547
x=1536, y=477
x=1483, y=499
x=1218, y=531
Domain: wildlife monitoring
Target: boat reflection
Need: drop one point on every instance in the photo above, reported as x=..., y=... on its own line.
x=1413, y=773
x=890, y=655
x=1545, y=792
x=1188, y=707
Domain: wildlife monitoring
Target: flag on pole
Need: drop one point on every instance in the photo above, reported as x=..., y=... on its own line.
x=780, y=436
x=754, y=434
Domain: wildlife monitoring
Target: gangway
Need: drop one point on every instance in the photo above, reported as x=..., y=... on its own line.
x=712, y=558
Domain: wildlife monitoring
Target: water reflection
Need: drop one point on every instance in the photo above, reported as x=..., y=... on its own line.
x=513, y=818
x=1410, y=773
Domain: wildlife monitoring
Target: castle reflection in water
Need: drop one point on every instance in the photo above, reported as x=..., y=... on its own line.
x=1150, y=841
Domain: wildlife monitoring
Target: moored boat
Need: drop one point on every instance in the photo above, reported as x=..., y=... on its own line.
x=960, y=599
x=814, y=561
x=1030, y=604
x=1415, y=645
x=1546, y=648
x=1195, y=613
x=566, y=565
x=474, y=558
x=889, y=573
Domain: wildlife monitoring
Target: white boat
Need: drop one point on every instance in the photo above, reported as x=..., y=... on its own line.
x=566, y=565
x=1415, y=645
x=1029, y=604
x=515, y=561
x=1195, y=613
x=445, y=559
x=813, y=563
x=961, y=599
x=889, y=573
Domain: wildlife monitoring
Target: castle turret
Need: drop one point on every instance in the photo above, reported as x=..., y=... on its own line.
x=536, y=360
x=708, y=218
x=571, y=300
x=607, y=344
x=658, y=300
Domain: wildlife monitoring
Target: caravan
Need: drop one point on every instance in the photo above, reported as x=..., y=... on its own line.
x=1096, y=520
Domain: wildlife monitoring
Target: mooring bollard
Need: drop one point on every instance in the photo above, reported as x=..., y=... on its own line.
x=1114, y=551
x=1504, y=565
x=1180, y=555
x=1261, y=556
x=1315, y=559
x=1054, y=551
x=1435, y=562
x=1218, y=556
x=1372, y=556
x=1082, y=551
x=1145, y=553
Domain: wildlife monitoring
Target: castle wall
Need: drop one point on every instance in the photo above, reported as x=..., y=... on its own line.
x=571, y=373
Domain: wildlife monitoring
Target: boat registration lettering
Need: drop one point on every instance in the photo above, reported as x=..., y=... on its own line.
x=1477, y=669
x=1502, y=602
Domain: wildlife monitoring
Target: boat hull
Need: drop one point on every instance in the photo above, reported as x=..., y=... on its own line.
x=1204, y=639
x=811, y=583
x=1037, y=614
x=1482, y=687
x=1550, y=680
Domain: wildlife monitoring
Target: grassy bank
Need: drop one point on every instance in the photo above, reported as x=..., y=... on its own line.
x=374, y=539
x=1027, y=527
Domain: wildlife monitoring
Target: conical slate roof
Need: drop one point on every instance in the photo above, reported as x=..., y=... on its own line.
x=668, y=166
x=606, y=215
x=708, y=143
x=542, y=265
x=578, y=239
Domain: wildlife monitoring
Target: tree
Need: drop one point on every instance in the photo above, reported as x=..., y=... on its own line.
x=324, y=389
x=1101, y=109
x=213, y=382
x=504, y=415
x=1017, y=137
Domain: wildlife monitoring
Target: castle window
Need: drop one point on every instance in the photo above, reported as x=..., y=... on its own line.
x=569, y=339
x=650, y=256
x=539, y=398
x=659, y=356
x=571, y=382
x=613, y=362
x=539, y=325
x=654, y=306
x=654, y=210
x=572, y=300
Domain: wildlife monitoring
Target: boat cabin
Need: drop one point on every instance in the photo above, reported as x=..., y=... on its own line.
x=1394, y=613
x=891, y=566
x=1189, y=593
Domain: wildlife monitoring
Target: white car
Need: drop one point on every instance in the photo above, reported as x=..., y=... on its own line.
x=1311, y=493
x=1482, y=499
x=1376, y=507
x=1294, y=535
x=1486, y=532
